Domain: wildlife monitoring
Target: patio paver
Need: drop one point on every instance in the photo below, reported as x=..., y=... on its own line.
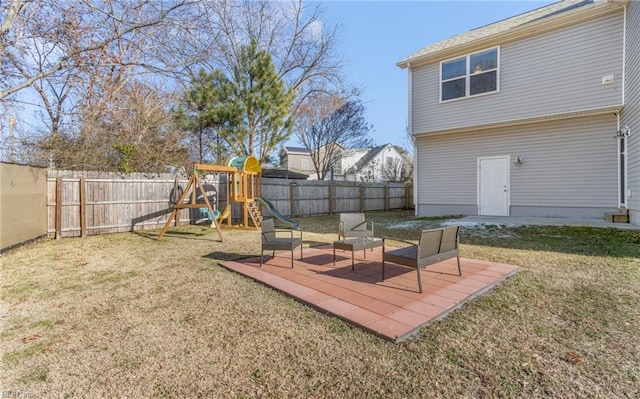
x=393, y=309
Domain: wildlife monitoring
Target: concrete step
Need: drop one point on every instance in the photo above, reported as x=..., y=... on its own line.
x=616, y=217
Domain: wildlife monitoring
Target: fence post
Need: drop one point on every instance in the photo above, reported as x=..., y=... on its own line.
x=83, y=207
x=329, y=187
x=291, y=199
x=386, y=198
x=58, y=208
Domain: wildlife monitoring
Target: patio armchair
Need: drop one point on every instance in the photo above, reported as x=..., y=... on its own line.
x=279, y=240
x=354, y=225
x=434, y=246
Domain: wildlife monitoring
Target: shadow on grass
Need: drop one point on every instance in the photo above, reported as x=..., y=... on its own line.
x=226, y=256
x=205, y=235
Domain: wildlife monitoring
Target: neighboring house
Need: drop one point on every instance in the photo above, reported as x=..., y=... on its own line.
x=348, y=158
x=377, y=164
x=297, y=159
x=535, y=115
x=368, y=164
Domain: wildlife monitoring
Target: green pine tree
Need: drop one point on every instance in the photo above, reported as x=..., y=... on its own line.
x=250, y=110
x=200, y=113
x=259, y=107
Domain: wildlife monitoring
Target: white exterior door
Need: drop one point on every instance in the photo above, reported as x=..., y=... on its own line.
x=493, y=186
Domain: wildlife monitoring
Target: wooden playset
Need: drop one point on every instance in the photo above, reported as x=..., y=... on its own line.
x=244, y=185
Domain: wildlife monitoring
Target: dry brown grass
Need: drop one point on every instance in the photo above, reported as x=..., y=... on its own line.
x=125, y=315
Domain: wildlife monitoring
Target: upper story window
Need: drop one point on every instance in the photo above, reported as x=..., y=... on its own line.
x=304, y=164
x=470, y=75
x=390, y=161
x=337, y=166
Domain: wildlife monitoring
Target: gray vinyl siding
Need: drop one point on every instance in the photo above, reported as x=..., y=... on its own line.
x=569, y=163
x=631, y=111
x=294, y=162
x=556, y=72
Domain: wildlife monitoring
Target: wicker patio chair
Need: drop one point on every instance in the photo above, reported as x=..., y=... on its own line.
x=278, y=240
x=354, y=225
x=434, y=246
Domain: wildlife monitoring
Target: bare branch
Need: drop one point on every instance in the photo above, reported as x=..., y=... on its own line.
x=329, y=125
x=117, y=29
x=15, y=7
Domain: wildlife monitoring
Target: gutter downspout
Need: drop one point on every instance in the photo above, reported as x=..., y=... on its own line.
x=624, y=81
x=413, y=140
x=624, y=52
x=623, y=170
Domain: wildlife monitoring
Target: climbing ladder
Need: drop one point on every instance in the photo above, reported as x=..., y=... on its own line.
x=254, y=212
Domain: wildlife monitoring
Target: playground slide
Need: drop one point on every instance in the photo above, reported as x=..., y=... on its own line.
x=269, y=206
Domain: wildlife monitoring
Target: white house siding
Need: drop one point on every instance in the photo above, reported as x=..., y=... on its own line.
x=631, y=111
x=350, y=158
x=374, y=169
x=552, y=73
x=569, y=168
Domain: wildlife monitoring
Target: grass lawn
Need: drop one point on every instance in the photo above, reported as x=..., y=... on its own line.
x=124, y=315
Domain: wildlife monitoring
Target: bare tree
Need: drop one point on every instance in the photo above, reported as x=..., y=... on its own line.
x=137, y=134
x=397, y=170
x=302, y=47
x=11, y=10
x=65, y=36
x=72, y=58
x=327, y=124
x=75, y=57
x=370, y=172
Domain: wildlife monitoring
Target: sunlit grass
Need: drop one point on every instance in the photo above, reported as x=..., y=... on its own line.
x=127, y=315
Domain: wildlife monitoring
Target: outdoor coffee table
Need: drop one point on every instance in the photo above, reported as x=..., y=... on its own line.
x=356, y=244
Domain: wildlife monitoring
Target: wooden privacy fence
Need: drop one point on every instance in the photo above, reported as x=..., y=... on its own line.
x=90, y=203
x=300, y=198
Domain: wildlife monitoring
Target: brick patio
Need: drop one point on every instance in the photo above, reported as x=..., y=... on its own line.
x=393, y=309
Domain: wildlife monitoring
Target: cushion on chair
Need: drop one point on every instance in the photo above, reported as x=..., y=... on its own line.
x=275, y=244
x=402, y=256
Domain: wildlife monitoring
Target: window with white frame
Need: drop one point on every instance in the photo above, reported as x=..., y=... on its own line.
x=337, y=167
x=470, y=75
x=390, y=161
x=304, y=164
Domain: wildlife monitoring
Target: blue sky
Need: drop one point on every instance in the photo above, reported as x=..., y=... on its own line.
x=375, y=35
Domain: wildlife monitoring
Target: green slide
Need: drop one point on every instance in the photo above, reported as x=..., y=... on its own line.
x=269, y=206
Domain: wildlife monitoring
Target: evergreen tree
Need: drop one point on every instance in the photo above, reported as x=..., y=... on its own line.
x=258, y=108
x=250, y=110
x=201, y=113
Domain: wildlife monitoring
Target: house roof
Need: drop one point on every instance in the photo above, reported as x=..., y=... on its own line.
x=522, y=24
x=366, y=158
x=284, y=174
x=297, y=149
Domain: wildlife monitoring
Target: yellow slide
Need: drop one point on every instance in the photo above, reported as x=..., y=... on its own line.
x=224, y=214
